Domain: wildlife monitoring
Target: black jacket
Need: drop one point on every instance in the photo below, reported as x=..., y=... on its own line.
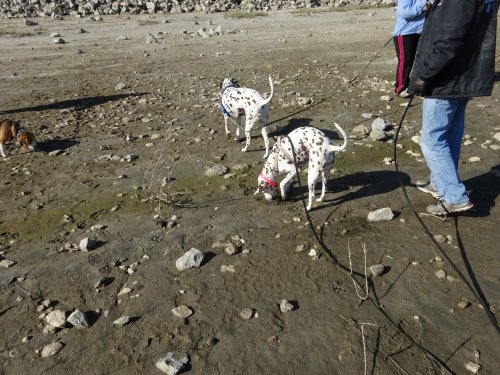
x=456, y=52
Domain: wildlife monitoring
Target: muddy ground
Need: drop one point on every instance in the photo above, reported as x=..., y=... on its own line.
x=168, y=116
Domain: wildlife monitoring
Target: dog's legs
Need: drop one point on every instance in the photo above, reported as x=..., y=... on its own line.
x=248, y=135
x=312, y=176
x=3, y=151
x=324, y=178
x=238, y=124
x=266, y=140
x=285, y=184
x=226, y=122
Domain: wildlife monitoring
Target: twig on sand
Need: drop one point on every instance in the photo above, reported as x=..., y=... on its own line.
x=356, y=287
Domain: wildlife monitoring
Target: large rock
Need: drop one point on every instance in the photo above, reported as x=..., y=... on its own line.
x=379, y=124
x=56, y=318
x=378, y=135
x=78, y=319
x=191, y=259
x=382, y=214
x=216, y=170
x=52, y=349
x=170, y=365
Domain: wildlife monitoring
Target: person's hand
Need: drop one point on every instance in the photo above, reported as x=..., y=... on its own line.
x=418, y=86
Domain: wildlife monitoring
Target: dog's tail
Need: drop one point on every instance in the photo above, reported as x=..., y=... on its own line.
x=333, y=148
x=272, y=92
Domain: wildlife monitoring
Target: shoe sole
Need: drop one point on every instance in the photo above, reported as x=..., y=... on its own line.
x=427, y=191
x=453, y=210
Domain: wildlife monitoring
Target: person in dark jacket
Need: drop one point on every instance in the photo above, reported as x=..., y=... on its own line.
x=410, y=15
x=455, y=61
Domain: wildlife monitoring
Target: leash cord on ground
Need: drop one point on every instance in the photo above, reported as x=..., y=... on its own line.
x=374, y=300
x=473, y=290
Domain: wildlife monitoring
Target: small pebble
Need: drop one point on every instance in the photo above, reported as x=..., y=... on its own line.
x=246, y=313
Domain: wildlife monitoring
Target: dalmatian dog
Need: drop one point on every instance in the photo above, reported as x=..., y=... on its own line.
x=310, y=145
x=238, y=101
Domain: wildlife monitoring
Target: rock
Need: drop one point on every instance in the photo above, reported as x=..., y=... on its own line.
x=439, y=238
x=78, y=319
x=231, y=249
x=474, y=159
x=468, y=142
x=441, y=274
x=240, y=167
x=385, y=98
x=129, y=158
x=56, y=318
x=28, y=22
x=225, y=268
x=6, y=263
x=191, y=259
x=170, y=365
x=496, y=136
x=377, y=269
x=379, y=124
x=120, y=86
x=246, y=313
x=285, y=306
x=382, y=214
x=52, y=349
x=216, y=170
x=122, y=37
x=367, y=115
x=473, y=367
x=58, y=40
x=55, y=34
x=378, y=135
x=462, y=305
x=361, y=129
x=416, y=139
x=182, y=311
x=87, y=244
x=120, y=322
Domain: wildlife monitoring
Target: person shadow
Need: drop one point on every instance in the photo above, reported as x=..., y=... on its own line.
x=484, y=191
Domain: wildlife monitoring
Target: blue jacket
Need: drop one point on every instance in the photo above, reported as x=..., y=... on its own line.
x=410, y=17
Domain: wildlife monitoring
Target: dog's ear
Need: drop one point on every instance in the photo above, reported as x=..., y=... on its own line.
x=235, y=82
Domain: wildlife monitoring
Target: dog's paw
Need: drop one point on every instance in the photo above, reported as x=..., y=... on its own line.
x=244, y=149
x=265, y=156
x=320, y=199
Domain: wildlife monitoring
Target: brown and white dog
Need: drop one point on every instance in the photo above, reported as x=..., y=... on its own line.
x=310, y=145
x=236, y=101
x=12, y=130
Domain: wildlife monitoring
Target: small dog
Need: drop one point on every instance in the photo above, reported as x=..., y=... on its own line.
x=11, y=130
x=309, y=144
x=237, y=101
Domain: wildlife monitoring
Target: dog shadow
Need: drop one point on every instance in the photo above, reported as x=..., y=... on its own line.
x=78, y=104
x=55, y=144
x=372, y=183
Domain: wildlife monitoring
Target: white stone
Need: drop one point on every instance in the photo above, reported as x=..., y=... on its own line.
x=191, y=259
x=124, y=320
x=473, y=367
x=87, y=244
x=474, y=159
x=78, y=319
x=496, y=136
x=182, y=311
x=441, y=274
x=170, y=365
x=56, y=318
x=382, y=214
x=285, y=306
x=379, y=124
x=52, y=349
x=416, y=139
x=216, y=170
x=377, y=269
x=6, y=263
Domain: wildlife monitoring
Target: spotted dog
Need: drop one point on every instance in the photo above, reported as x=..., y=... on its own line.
x=11, y=130
x=238, y=101
x=310, y=145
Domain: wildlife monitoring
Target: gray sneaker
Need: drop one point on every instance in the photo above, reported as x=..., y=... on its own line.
x=427, y=188
x=442, y=208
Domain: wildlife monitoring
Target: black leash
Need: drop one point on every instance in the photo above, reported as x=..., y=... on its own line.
x=374, y=300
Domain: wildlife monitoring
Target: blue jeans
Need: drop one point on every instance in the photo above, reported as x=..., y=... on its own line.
x=441, y=141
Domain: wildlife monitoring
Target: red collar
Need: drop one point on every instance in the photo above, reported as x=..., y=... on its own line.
x=270, y=182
